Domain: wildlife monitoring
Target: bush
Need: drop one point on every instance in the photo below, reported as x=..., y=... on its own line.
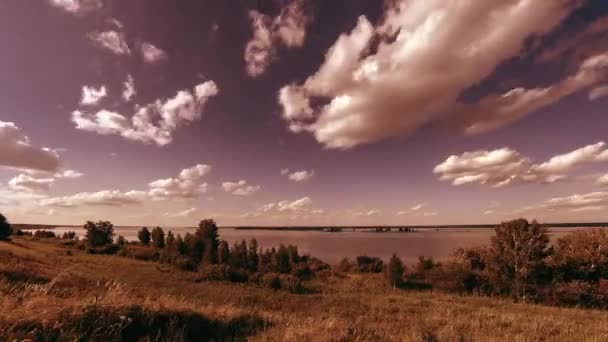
x=5, y=228
x=44, y=234
x=69, y=235
x=346, y=265
x=106, y=249
x=367, y=264
x=271, y=280
x=100, y=233
x=158, y=238
x=581, y=255
x=291, y=283
x=144, y=236
x=394, y=271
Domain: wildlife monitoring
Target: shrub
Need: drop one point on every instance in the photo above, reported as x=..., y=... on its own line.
x=144, y=236
x=105, y=249
x=346, y=265
x=367, y=264
x=394, y=271
x=581, y=255
x=44, y=234
x=69, y=235
x=158, y=238
x=291, y=283
x=121, y=241
x=5, y=228
x=100, y=233
x=271, y=280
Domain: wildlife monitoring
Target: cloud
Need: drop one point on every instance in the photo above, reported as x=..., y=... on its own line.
x=27, y=183
x=91, y=95
x=16, y=151
x=240, y=188
x=288, y=28
x=111, y=40
x=506, y=166
x=153, y=123
x=184, y=213
x=70, y=174
x=417, y=207
x=369, y=213
x=186, y=185
x=78, y=7
x=603, y=180
x=391, y=79
x=577, y=203
x=598, y=92
x=114, y=198
x=301, y=176
x=300, y=208
x=284, y=172
x=129, y=89
x=152, y=54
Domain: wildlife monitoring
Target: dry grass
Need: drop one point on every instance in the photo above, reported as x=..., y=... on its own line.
x=42, y=288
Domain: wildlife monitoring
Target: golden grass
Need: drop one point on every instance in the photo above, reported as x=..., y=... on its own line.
x=351, y=308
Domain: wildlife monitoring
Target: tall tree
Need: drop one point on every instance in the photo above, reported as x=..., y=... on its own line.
x=207, y=233
x=5, y=228
x=394, y=271
x=158, y=238
x=517, y=257
x=144, y=236
x=100, y=233
x=170, y=243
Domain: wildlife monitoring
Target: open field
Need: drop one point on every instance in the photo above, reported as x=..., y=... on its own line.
x=45, y=291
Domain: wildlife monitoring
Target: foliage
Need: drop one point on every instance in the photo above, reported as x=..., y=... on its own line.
x=144, y=236
x=394, y=271
x=44, y=234
x=100, y=233
x=5, y=228
x=158, y=238
x=366, y=264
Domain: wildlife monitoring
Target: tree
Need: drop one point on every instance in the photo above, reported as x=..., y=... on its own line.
x=517, y=257
x=180, y=245
x=144, y=236
x=223, y=252
x=582, y=255
x=158, y=238
x=207, y=233
x=170, y=243
x=121, y=241
x=100, y=233
x=252, y=257
x=394, y=271
x=5, y=228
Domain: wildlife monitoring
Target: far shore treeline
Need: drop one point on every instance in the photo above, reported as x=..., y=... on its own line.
x=518, y=263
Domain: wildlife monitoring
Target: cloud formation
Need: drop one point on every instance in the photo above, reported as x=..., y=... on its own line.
x=288, y=28
x=91, y=95
x=506, y=166
x=409, y=70
x=113, y=198
x=78, y=7
x=152, y=123
x=16, y=151
x=111, y=40
x=186, y=185
x=152, y=54
x=27, y=183
x=301, y=176
x=129, y=89
x=240, y=188
x=594, y=201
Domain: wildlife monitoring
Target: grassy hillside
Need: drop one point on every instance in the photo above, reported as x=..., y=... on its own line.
x=51, y=292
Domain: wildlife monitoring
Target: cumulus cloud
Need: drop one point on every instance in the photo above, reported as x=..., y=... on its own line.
x=186, y=185
x=390, y=79
x=598, y=92
x=27, y=183
x=129, y=89
x=78, y=7
x=91, y=95
x=115, y=198
x=577, y=203
x=16, y=151
x=112, y=41
x=506, y=166
x=301, y=176
x=288, y=28
x=153, y=123
x=240, y=188
x=152, y=54
x=603, y=180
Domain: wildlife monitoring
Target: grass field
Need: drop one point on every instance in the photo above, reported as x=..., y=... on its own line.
x=51, y=292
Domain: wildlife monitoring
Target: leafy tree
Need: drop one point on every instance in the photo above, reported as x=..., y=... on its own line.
x=394, y=271
x=180, y=245
x=517, y=257
x=144, y=236
x=121, y=241
x=252, y=255
x=5, y=228
x=582, y=255
x=194, y=247
x=223, y=252
x=100, y=233
x=283, y=259
x=207, y=233
x=158, y=238
x=170, y=243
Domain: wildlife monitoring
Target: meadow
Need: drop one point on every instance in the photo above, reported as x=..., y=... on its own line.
x=50, y=291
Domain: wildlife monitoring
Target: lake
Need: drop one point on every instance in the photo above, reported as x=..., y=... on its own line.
x=332, y=247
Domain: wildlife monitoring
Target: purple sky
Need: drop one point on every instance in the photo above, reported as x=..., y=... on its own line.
x=303, y=112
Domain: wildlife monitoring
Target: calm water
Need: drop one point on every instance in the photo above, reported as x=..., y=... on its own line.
x=331, y=247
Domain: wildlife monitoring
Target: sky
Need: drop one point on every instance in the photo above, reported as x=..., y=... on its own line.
x=302, y=112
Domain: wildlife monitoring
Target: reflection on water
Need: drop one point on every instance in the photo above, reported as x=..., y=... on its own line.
x=331, y=247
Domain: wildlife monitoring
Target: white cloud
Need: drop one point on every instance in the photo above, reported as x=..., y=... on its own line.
x=506, y=166
x=240, y=188
x=301, y=176
x=417, y=207
x=577, y=203
x=153, y=123
x=78, y=7
x=129, y=90
x=284, y=172
x=373, y=212
x=27, y=183
x=598, y=92
x=423, y=55
x=16, y=151
x=152, y=54
x=70, y=174
x=101, y=198
x=288, y=28
x=184, y=213
x=603, y=180
x=187, y=185
x=112, y=41
x=91, y=95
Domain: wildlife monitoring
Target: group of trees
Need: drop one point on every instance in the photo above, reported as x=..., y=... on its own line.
x=521, y=263
x=5, y=228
